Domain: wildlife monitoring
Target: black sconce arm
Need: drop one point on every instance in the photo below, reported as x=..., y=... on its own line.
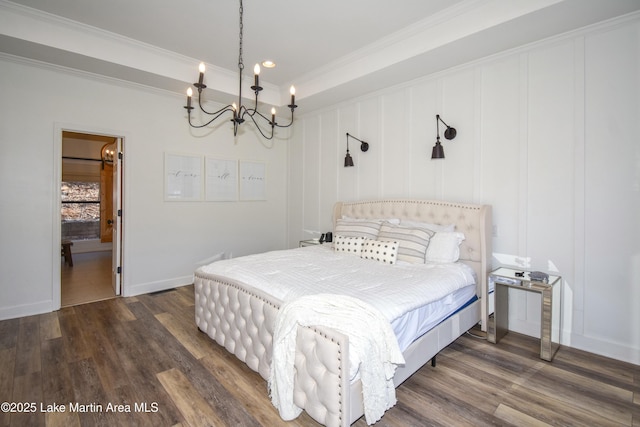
x=364, y=146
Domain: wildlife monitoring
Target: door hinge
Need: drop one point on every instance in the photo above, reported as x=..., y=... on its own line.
x=120, y=155
x=119, y=212
x=119, y=270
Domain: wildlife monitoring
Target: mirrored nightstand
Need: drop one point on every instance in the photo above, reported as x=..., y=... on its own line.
x=550, y=307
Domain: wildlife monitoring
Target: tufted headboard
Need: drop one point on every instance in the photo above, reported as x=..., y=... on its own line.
x=472, y=220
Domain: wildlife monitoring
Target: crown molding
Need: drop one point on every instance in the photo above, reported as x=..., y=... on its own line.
x=43, y=30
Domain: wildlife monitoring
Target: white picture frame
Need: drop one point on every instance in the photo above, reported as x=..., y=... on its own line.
x=253, y=180
x=221, y=180
x=183, y=177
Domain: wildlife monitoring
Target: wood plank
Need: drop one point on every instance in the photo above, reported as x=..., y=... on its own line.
x=9, y=333
x=27, y=388
x=89, y=394
x=515, y=417
x=191, y=404
x=57, y=387
x=7, y=363
x=49, y=326
x=186, y=337
x=98, y=325
x=120, y=310
x=28, y=346
x=71, y=328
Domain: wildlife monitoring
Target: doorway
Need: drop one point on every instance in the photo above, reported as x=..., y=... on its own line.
x=90, y=196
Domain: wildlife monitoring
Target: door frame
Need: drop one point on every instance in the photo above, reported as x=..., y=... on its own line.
x=59, y=128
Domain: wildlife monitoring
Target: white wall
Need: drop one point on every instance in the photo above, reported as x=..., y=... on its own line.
x=163, y=241
x=547, y=134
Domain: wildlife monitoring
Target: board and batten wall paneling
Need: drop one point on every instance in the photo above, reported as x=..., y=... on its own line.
x=457, y=110
x=424, y=182
x=368, y=165
x=312, y=174
x=548, y=135
x=394, y=145
x=612, y=190
x=328, y=190
x=295, y=187
x=499, y=115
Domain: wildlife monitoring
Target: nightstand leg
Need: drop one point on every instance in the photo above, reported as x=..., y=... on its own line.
x=546, y=349
x=501, y=311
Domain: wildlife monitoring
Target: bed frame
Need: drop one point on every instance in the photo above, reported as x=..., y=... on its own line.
x=241, y=318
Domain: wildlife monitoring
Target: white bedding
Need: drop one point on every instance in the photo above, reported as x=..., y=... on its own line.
x=371, y=340
x=413, y=297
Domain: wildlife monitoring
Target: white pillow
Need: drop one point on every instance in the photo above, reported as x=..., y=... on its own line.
x=428, y=226
x=350, y=245
x=360, y=228
x=384, y=252
x=413, y=242
x=444, y=247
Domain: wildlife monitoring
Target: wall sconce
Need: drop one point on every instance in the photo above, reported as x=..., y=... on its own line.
x=450, y=133
x=364, y=146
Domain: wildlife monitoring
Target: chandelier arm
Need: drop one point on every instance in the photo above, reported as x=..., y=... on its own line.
x=251, y=112
x=260, y=129
x=286, y=126
x=220, y=112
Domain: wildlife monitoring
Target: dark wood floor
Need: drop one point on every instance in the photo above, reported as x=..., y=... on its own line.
x=146, y=354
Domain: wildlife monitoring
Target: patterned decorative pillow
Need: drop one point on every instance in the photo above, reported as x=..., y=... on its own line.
x=384, y=252
x=350, y=245
x=445, y=247
x=359, y=228
x=413, y=241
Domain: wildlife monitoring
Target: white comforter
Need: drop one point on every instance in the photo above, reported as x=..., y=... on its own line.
x=392, y=289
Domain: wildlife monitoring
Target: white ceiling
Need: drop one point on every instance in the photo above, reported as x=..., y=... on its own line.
x=331, y=49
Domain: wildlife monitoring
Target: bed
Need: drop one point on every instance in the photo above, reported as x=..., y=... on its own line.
x=241, y=315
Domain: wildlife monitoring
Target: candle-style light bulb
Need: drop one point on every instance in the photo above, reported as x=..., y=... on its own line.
x=201, y=68
x=273, y=116
x=256, y=73
x=292, y=90
x=235, y=110
x=189, y=95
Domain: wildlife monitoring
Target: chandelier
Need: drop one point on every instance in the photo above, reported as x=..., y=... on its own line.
x=240, y=111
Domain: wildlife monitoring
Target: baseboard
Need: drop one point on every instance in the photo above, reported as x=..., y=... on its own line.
x=149, y=287
x=603, y=348
x=26, y=310
x=600, y=347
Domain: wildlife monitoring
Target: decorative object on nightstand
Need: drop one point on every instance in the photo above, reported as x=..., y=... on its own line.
x=550, y=308
x=310, y=242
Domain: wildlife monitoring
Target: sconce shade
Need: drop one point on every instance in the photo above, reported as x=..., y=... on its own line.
x=348, y=161
x=438, y=151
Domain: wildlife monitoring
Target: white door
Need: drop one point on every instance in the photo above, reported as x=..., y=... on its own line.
x=116, y=263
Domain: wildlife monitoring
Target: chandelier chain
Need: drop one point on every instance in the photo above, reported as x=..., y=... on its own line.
x=240, y=62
